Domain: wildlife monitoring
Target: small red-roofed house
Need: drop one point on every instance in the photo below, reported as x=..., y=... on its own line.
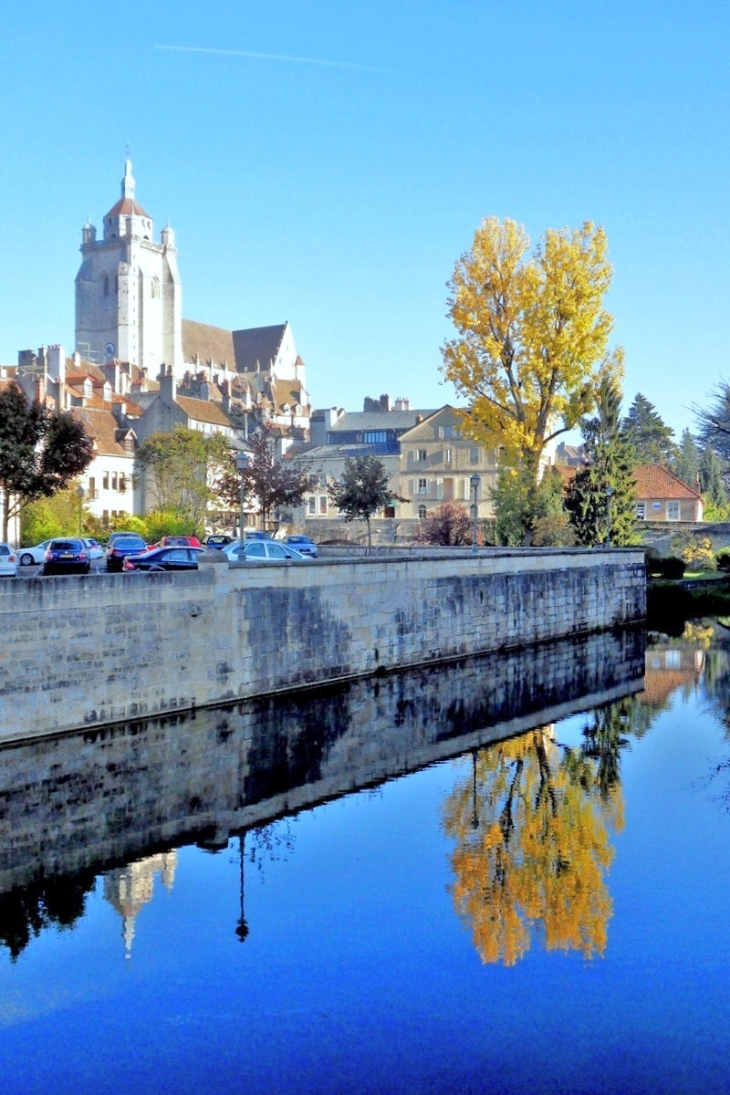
x=661, y=496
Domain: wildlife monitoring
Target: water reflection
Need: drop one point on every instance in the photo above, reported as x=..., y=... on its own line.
x=532, y=846
x=116, y=801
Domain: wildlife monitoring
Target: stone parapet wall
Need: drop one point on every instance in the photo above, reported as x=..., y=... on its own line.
x=98, y=649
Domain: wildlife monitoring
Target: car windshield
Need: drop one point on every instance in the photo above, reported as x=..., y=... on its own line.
x=128, y=542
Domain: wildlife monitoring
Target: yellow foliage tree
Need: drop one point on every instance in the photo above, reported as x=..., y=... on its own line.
x=532, y=848
x=532, y=336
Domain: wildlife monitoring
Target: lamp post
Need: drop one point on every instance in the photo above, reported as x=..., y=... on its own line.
x=242, y=459
x=474, y=482
x=80, y=495
x=609, y=496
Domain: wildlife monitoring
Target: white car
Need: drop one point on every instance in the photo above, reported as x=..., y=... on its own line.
x=262, y=551
x=95, y=550
x=8, y=561
x=30, y=556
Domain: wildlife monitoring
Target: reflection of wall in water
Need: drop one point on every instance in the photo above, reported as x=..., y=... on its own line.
x=128, y=889
x=102, y=797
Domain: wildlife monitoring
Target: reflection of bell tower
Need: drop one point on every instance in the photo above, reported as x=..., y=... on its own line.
x=129, y=888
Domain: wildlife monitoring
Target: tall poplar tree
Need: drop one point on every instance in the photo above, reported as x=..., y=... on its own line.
x=532, y=335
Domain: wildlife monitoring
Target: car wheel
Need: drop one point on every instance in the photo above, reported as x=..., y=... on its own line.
x=26, y=559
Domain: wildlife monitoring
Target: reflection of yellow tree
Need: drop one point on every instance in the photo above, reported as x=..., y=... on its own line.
x=532, y=849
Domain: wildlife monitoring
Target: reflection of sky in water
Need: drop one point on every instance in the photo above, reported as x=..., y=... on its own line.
x=358, y=976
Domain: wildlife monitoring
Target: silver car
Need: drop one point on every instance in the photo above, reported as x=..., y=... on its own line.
x=262, y=551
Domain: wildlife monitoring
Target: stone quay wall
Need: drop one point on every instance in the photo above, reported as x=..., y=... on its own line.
x=88, y=651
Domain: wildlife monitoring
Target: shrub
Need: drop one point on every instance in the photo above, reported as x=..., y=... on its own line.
x=672, y=567
x=723, y=559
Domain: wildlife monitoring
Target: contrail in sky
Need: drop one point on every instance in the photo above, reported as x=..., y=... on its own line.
x=274, y=57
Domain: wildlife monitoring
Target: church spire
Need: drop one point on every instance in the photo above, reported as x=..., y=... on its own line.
x=128, y=183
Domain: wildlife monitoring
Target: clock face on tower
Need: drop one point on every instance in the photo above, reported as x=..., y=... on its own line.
x=109, y=349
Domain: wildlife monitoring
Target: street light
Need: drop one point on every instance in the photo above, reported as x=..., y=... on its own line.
x=242, y=459
x=80, y=492
x=609, y=496
x=474, y=481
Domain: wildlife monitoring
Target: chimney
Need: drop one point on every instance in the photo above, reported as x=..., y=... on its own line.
x=168, y=387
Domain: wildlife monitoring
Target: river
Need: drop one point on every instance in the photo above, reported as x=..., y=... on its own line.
x=509, y=875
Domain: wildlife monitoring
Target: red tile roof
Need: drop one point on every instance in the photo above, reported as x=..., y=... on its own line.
x=654, y=481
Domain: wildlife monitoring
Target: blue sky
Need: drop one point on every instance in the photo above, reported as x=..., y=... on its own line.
x=327, y=163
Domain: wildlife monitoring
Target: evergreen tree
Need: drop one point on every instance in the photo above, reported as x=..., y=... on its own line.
x=712, y=487
x=688, y=461
x=590, y=505
x=652, y=440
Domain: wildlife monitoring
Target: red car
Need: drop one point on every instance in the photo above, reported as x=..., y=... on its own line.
x=177, y=541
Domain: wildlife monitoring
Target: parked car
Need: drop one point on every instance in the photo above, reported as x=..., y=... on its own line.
x=179, y=541
x=8, y=561
x=303, y=545
x=218, y=541
x=263, y=551
x=30, y=556
x=165, y=558
x=121, y=546
x=94, y=548
x=66, y=556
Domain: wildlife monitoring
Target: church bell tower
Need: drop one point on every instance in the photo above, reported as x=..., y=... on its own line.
x=128, y=297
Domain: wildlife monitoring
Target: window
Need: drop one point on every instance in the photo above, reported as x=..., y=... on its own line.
x=422, y=456
x=155, y=288
x=421, y=512
x=423, y=486
x=672, y=511
x=122, y=483
x=106, y=285
x=323, y=503
x=375, y=437
x=92, y=484
x=323, y=481
x=641, y=511
x=114, y=480
x=311, y=504
x=447, y=456
x=473, y=456
x=105, y=481
x=129, y=445
x=448, y=431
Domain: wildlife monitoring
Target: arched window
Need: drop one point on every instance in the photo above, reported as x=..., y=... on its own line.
x=106, y=285
x=421, y=513
x=155, y=288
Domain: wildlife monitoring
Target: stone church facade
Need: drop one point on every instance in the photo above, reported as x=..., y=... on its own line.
x=128, y=294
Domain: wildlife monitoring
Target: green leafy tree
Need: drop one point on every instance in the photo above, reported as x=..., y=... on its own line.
x=687, y=467
x=645, y=430
x=180, y=472
x=41, y=451
x=611, y=469
x=551, y=525
x=268, y=482
x=532, y=335
x=363, y=490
